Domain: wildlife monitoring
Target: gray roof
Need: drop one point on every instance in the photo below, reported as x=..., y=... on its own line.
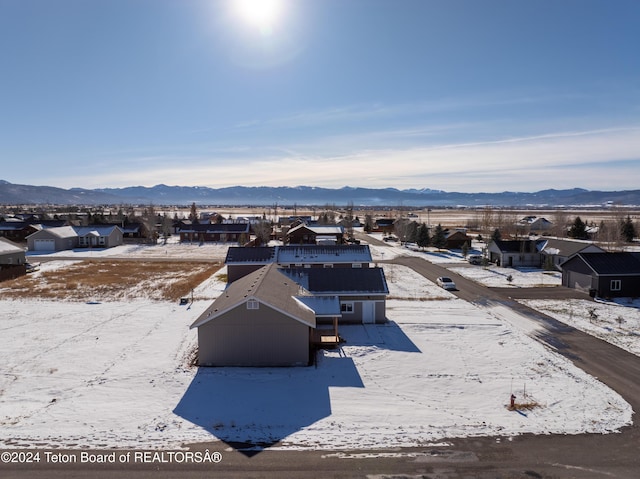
x=268, y=286
x=60, y=232
x=565, y=247
x=95, y=230
x=327, y=306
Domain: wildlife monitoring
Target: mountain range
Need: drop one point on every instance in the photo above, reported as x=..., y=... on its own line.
x=13, y=194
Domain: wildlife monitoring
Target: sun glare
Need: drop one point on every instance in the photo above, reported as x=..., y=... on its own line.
x=262, y=14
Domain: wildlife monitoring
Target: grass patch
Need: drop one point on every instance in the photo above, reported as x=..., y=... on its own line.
x=112, y=280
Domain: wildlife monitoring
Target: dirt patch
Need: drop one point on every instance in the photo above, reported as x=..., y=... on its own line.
x=112, y=280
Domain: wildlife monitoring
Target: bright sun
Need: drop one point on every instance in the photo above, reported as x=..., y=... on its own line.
x=259, y=13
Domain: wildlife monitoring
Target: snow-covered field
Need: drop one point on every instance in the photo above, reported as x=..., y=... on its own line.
x=117, y=374
x=617, y=323
x=498, y=277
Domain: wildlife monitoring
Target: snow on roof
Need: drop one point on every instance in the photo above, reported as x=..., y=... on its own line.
x=60, y=232
x=324, y=254
x=95, y=230
x=322, y=306
x=7, y=247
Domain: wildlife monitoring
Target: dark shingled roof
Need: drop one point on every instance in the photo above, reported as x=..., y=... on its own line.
x=262, y=254
x=340, y=280
x=613, y=263
x=515, y=246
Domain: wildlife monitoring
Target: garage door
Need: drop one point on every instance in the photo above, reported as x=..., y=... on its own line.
x=44, y=245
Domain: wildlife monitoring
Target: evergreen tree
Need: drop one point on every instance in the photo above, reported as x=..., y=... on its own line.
x=439, y=238
x=628, y=230
x=578, y=229
x=368, y=223
x=423, y=238
x=496, y=236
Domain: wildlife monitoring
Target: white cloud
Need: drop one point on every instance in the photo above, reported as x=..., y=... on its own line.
x=555, y=160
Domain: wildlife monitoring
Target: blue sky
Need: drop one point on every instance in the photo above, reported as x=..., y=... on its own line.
x=454, y=95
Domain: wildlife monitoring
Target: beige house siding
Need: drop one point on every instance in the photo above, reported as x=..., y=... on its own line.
x=253, y=337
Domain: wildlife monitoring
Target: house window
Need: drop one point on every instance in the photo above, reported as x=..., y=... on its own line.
x=346, y=307
x=101, y=240
x=253, y=304
x=616, y=284
x=356, y=265
x=328, y=265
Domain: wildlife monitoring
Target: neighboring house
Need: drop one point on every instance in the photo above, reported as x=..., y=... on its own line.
x=99, y=236
x=12, y=260
x=457, y=239
x=17, y=231
x=257, y=321
x=605, y=275
x=241, y=261
x=536, y=223
x=133, y=230
x=384, y=225
x=304, y=234
x=53, y=239
x=216, y=232
x=514, y=253
x=556, y=251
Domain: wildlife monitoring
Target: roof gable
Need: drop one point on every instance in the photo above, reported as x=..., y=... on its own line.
x=266, y=285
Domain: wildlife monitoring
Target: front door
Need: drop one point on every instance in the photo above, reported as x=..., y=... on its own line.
x=368, y=312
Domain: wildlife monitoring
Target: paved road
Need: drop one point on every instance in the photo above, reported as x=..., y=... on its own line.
x=553, y=456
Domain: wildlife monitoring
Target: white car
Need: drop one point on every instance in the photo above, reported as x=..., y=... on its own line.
x=446, y=283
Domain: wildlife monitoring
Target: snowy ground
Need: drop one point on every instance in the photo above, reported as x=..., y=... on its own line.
x=495, y=276
x=173, y=249
x=117, y=374
x=617, y=323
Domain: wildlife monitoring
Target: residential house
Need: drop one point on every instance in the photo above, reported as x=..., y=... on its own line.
x=516, y=253
x=384, y=225
x=53, y=239
x=556, y=251
x=272, y=316
x=12, y=260
x=535, y=224
x=456, y=239
x=216, y=232
x=17, y=231
x=241, y=261
x=606, y=275
x=326, y=234
x=258, y=320
x=99, y=236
